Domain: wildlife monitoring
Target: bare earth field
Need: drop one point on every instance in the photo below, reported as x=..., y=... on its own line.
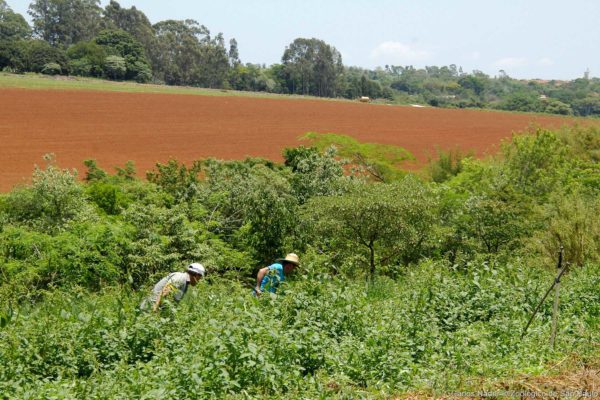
x=114, y=127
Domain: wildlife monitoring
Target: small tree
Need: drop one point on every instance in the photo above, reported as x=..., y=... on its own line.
x=494, y=222
x=127, y=172
x=386, y=222
x=51, y=69
x=94, y=173
x=115, y=67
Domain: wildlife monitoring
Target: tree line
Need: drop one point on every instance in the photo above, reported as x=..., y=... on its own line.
x=78, y=37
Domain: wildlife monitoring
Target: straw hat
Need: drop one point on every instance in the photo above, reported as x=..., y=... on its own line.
x=291, y=258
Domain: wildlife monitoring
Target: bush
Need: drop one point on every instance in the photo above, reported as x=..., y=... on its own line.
x=557, y=107
x=535, y=163
x=80, y=67
x=447, y=164
x=109, y=197
x=115, y=67
x=87, y=58
x=51, y=69
x=315, y=174
x=53, y=200
x=253, y=205
x=521, y=102
x=141, y=72
x=39, y=53
x=12, y=56
x=570, y=221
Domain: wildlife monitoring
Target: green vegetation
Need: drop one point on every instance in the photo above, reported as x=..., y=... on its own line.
x=377, y=161
x=38, y=81
x=79, y=38
x=404, y=281
x=323, y=336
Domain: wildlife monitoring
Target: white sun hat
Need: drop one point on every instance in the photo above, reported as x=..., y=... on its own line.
x=197, y=268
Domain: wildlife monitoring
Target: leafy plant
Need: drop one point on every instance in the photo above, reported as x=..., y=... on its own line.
x=379, y=162
x=384, y=223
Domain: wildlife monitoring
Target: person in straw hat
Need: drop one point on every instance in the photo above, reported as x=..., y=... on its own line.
x=269, y=278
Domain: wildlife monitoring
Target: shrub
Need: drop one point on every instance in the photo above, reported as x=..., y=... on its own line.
x=141, y=72
x=87, y=57
x=80, y=67
x=534, y=163
x=109, y=197
x=176, y=179
x=51, y=69
x=380, y=162
x=557, y=107
x=447, y=164
x=314, y=174
x=570, y=221
x=115, y=67
x=53, y=200
x=39, y=53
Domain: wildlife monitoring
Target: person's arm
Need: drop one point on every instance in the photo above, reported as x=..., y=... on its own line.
x=259, y=277
x=166, y=290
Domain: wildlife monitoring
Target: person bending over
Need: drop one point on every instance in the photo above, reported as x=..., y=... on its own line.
x=269, y=278
x=174, y=286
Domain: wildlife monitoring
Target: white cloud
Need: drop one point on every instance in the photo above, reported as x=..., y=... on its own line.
x=510, y=62
x=398, y=53
x=475, y=55
x=546, y=62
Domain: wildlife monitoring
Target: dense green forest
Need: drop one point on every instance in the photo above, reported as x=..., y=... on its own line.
x=409, y=282
x=78, y=37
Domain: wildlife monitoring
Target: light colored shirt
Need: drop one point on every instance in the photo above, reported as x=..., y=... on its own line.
x=177, y=281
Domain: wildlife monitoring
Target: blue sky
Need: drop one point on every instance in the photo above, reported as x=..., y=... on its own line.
x=547, y=39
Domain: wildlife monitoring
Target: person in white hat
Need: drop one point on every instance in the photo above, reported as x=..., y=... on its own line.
x=174, y=285
x=269, y=278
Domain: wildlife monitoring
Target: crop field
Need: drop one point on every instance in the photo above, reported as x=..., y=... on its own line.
x=114, y=127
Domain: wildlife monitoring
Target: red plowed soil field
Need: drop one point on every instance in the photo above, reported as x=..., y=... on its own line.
x=148, y=128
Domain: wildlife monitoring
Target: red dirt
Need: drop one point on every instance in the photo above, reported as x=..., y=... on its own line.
x=148, y=128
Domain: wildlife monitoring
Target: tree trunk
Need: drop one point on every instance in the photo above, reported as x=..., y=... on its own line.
x=372, y=260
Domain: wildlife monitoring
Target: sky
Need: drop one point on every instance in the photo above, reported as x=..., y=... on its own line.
x=528, y=39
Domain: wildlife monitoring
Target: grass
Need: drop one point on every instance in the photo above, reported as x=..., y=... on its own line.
x=45, y=82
